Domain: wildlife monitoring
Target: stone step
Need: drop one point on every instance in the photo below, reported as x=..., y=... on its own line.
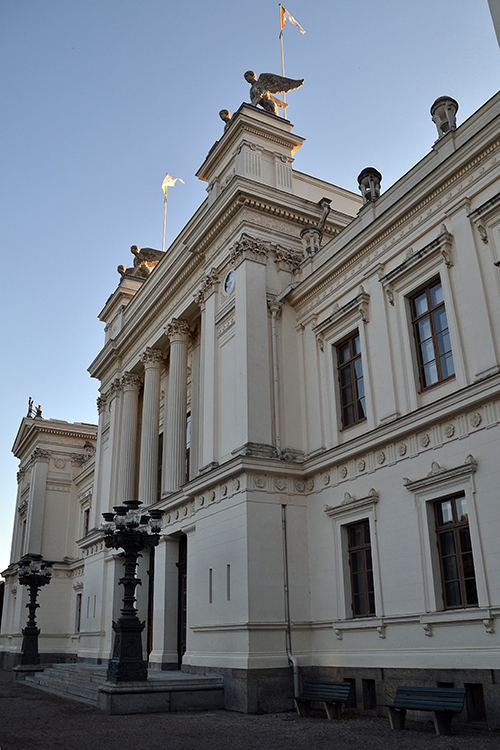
x=79, y=693
x=163, y=691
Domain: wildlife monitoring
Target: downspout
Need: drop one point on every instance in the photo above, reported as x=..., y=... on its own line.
x=275, y=309
x=291, y=658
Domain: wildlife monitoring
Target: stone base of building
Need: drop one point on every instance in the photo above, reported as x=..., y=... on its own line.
x=253, y=690
x=10, y=659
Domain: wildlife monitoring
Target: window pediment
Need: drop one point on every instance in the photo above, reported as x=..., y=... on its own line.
x=438, y=475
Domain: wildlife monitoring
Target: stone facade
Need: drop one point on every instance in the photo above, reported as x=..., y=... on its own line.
x=315, y=410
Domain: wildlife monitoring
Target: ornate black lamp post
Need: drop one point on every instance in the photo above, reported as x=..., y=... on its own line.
x=131, y=531
x=33, y=573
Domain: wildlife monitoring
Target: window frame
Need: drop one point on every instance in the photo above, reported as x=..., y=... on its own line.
x=455, y=525
x=361, y=548
x=437, y=486
x=349, y=364
x=415, y=319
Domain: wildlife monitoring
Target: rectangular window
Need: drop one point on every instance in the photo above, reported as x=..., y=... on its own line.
x=360, y=563
x=455, y=553
x=78, y=614
x=432, y=337
x=351, y=381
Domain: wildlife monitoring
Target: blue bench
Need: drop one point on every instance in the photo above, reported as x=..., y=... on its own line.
x=331, y=694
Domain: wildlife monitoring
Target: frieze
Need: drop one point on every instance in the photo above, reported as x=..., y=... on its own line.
x=58, y=486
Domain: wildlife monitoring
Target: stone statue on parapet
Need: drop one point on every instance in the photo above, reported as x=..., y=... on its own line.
x=267, y=84
x=145, y=260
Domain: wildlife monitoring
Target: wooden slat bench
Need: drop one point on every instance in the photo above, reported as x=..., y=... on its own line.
x=331, y=694
x=442, y=702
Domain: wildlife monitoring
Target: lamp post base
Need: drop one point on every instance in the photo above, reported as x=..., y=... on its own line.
x=127, y=664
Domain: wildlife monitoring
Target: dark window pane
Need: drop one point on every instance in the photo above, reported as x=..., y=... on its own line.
x=452, y=594
x=468, y=565
x=358, y=583
x=344, y=353
x=371, y=604
x=359, y=605
x=471, y=591
x=440, y=321
x=465, y=543
x=349, y=415
x=356, y=346
x=420, y=304
x=424, y=329
x=436, y=294
x=447, y=540
x=355, y=537
x=447, y=366
x=450, y=568
x=345, y=376
x=430, y=374
x=366, y=533
x=361, y=409
x=427, y=351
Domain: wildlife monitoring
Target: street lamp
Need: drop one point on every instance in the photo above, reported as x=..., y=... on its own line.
x=131, y=531
x=33, y=573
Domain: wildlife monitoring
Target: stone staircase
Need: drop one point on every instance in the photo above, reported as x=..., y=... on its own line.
x=163, y=691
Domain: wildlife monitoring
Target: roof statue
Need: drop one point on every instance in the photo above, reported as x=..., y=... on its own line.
x=145, y=260
x=267, y=84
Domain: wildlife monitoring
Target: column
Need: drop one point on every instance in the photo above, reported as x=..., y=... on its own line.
x=178, y=332
x=36, y=504
x=148, y=462
x=128, y=437
x=166, y=589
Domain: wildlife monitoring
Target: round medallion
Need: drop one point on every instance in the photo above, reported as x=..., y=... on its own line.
x=229, y=282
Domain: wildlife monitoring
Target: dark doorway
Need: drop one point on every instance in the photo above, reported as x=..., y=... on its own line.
x=182, y=601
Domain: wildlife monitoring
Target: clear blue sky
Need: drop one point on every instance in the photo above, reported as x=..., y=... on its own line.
x=101, y=97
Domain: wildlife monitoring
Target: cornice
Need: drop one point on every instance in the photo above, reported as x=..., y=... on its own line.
x=391, y=233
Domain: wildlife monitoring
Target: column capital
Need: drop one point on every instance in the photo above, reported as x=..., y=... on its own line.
x=207, y=287
x=130, y=381
x=101, y=403
x=40, y=455
x=178, y=330
x=251, y=248
x=152, y=357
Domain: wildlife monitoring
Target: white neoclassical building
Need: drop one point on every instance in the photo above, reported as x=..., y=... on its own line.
x=308, y=384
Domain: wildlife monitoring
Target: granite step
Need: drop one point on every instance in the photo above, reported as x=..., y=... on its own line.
x=163, y=691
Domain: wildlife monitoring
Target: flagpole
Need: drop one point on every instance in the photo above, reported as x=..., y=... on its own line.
x=164, y=219
x=282, y=56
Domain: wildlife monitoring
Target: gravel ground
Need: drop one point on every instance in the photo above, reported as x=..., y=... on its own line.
x=31, y=719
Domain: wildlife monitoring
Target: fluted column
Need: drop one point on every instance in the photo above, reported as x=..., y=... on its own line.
x=148, y=462
x=128, y=437
x=178, y=332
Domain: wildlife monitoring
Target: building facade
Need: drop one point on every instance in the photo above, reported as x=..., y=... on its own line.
x=307, y=383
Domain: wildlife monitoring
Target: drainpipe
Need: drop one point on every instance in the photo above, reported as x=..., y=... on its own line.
x=291, y=658
x=275, y=308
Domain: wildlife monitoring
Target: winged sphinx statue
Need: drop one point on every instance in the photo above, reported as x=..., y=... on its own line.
x=262, y=88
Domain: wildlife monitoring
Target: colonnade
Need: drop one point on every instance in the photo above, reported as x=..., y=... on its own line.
x=174, y=451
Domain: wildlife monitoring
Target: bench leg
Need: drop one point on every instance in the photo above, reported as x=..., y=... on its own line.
x=442, y=722
x=303, y=707
x=332, y=710
x=397, y=718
